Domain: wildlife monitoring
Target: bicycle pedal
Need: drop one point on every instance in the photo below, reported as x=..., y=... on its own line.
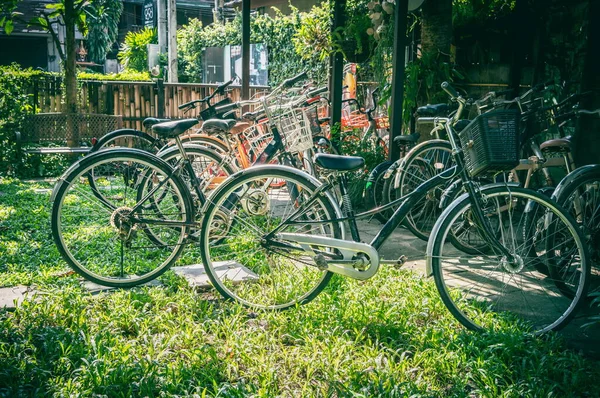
x=400, y=262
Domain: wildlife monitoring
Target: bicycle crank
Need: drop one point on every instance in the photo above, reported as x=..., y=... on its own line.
x=360, y=260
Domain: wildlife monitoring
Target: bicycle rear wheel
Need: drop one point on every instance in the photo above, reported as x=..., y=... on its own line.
x=241, y=261
x=489, y=290
x=105, y=233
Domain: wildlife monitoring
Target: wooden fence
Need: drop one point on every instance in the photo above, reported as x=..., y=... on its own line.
x=134, y=101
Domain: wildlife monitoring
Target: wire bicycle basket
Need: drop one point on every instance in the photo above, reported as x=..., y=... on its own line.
x=295, y=129
x=491, y=142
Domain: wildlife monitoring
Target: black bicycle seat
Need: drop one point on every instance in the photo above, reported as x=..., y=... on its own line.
x=433, y=110
x=218, y=126
x=407, y=139
x=173, y=128
x=339, y=163
x=151, y=121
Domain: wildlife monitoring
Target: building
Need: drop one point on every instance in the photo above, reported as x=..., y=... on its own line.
x=33, y=47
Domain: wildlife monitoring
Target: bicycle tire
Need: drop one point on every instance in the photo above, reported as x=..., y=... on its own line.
x=374, y=189
x=420, y=164
x=242, y=246
x=505, y=293
x=579, y=194
x=92, y=232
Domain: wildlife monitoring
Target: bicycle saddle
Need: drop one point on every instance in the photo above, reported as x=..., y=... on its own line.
x=173, y=128
x=218, y=126
x=557, y=145
x=433, y=110
x=151, y=121
x=338, y=162
x=407, y=139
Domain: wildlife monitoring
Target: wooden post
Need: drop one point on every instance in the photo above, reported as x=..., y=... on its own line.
x=245, y=50
x=160, y=103
x=161, y=6
x=172, y=12
x=398, y=75
x=337, y=66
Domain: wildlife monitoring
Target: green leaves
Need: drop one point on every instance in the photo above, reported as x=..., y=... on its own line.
x=8, y=27
x=133, y=53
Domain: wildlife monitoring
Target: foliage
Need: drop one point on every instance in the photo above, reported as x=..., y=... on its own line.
x=390, y=336
x=312, y=39
x=103, y=27
x=478, y=12
x=133, y=53
x=126, y=75
x=8, y=13
x=14, y=104
x=347, y=142
x=190, y=44
x=276, y=33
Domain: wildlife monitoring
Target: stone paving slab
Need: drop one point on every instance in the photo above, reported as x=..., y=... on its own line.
x=15, y=294
x=197, y=277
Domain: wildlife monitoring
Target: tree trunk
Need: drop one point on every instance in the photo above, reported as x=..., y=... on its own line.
x=436, y=26
x=70, y=71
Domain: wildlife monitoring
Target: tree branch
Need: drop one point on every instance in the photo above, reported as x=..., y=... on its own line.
x=56, y=39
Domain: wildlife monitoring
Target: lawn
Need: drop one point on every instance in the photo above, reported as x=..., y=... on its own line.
x=389, y=336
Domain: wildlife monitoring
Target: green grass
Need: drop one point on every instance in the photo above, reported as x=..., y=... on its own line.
x=389, y=336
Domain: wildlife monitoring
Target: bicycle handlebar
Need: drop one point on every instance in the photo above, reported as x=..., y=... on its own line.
x=451, y=91
x=219, y=90
x=293, y=80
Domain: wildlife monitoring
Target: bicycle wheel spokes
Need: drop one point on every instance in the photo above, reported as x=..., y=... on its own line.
x=487, y=290
x=103, y=238
x=246, y=266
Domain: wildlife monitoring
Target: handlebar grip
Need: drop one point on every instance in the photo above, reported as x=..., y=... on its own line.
x=223, y=86
x=293, y=80
x=450, y=90
x=226, y=108
x=187, y=104
x=316, y=91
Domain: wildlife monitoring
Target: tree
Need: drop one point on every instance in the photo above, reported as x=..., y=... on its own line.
x=103, y=27
x=71, y=14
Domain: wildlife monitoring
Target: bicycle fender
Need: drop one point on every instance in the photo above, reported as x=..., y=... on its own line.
x=115, y=133
x=90, y=158
x=593, y=169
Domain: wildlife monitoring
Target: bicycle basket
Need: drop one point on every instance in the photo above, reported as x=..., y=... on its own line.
x=256, y=138
x=491, y=142
x=295, y=130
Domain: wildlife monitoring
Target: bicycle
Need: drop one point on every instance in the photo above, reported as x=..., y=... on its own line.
x=290, y=250
x=134, y=221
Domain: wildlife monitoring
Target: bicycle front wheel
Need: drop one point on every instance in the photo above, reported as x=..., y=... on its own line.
x=107, y=232
x=490, y=290
x=242, y=261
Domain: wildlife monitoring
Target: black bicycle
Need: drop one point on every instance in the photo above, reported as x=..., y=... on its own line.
x=286, y=254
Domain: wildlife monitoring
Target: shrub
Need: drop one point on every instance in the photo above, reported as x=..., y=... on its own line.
x=133, y=53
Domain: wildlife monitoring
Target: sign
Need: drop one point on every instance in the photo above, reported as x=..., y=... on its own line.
x=149, y=13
